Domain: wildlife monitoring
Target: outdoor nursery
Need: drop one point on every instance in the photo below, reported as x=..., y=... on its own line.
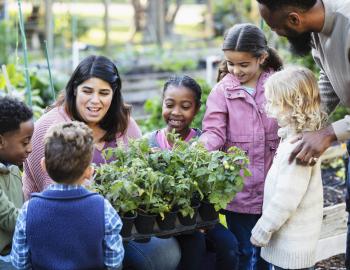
x=174, y=134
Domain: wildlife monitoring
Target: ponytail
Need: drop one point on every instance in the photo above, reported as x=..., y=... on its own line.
x=222, y=71
x=273, y=60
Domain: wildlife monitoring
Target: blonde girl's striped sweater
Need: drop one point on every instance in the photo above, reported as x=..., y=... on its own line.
x=290, y=225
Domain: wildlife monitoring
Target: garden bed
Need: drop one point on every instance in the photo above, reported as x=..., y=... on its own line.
x=333, y=263
x=332, y=243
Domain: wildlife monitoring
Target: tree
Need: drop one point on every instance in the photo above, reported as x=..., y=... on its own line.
x=155, y=19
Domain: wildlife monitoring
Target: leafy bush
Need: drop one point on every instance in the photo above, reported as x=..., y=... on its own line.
x=169, y=62
x=7, y=40
x=39, y=79
x=229, y=12
x=157, y=182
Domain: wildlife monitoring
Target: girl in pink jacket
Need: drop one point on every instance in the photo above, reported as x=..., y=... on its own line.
x=235, y=115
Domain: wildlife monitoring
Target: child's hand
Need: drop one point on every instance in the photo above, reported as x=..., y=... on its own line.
x=254, y=242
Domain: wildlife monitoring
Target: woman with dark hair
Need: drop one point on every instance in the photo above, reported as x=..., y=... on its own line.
x=93, y=96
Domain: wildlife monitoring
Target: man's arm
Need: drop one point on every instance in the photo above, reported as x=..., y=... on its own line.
x=329, y=99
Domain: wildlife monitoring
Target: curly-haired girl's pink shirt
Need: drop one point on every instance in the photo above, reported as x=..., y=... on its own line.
x=235, y=118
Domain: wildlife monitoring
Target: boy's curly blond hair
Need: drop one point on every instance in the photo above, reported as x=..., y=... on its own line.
x=68, y=151
x=293, y=98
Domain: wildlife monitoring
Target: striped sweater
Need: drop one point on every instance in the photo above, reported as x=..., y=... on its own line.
x=331, y=51
x=290, y=225
x=34, y=178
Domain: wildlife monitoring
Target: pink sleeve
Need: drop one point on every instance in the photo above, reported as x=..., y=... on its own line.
x=215, y=120
x=133, y=131
x=34, y=178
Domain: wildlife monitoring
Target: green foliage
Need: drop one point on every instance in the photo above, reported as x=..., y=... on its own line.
x=142, y=179
x=229, y=12
x=39, y=79
x=170, y=62
x=64, y=27
x=153, y=107
x=339, y=113
x=7, y=40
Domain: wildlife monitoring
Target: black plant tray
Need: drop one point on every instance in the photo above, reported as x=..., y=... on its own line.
x=179, y=229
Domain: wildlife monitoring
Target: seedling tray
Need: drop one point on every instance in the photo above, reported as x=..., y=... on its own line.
x=179, y=229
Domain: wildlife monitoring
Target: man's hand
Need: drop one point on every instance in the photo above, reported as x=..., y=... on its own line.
x=312, y=145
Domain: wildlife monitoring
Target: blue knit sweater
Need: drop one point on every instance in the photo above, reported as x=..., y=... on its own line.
x=65, y=230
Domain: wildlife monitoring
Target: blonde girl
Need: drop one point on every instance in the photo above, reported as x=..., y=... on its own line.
x=291, y=221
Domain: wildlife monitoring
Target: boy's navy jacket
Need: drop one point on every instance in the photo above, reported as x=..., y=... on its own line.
x=65, y=230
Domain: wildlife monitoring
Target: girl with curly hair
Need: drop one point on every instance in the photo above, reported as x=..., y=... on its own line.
x=291, y=221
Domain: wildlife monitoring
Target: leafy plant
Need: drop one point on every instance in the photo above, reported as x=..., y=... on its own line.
x=42, y=94
x=158, y=182
x=121, y=192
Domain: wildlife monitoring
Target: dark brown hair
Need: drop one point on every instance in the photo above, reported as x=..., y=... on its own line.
x=249, y=38
x=117, y=117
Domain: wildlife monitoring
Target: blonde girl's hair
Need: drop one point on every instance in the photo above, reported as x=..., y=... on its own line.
x=293, y=98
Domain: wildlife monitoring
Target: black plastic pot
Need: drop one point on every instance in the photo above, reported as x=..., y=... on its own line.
x=128, y=223
x=189, y=221
x=144, y=223
x=207, y=211
x=168, y=223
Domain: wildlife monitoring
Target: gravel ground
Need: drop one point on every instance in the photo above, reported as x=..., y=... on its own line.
x=333, y=263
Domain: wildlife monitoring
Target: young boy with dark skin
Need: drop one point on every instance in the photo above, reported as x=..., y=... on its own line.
x=78, y=229
x=16, y=129
x=323, y=27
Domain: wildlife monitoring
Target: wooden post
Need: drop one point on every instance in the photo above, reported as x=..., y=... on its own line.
x=209, y=26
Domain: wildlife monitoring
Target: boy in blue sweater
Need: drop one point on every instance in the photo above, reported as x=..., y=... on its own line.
x=66, y=226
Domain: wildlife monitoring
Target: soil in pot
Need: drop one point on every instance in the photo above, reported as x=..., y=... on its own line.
x=144, y=223
x=128, y=220
x=189, y=221
x=168, y=223
x=207, y=211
